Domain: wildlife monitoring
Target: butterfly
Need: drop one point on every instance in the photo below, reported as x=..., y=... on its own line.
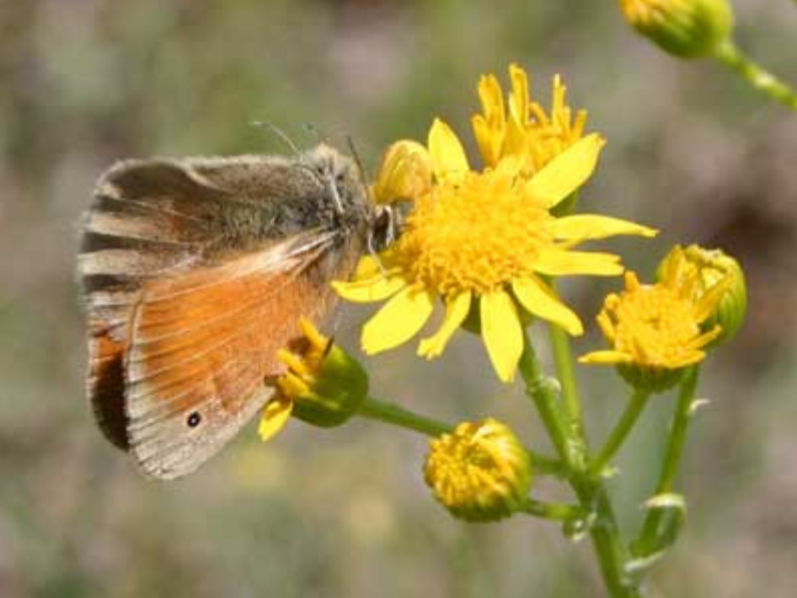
x=194, y=272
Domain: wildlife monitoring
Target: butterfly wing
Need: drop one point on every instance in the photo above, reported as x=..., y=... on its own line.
x=202, y=346
x=147, y=219
x=197, y=225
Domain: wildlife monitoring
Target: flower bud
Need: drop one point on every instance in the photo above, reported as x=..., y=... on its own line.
x=406, y=173
x=324, y=385
x=655, y=331
x=479, y=472
x=684, y=28
x=714, y=271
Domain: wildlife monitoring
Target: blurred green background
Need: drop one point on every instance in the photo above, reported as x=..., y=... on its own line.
x=345, y=512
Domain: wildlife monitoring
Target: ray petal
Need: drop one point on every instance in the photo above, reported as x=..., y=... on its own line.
x=567, y=172
x=606, y=358
x=588, y=226
x=541, y=301
x=559, y=262
x=275, y=416
x=398, y=321
x=370, y=291
x=446, y=151
x=456, y=311
x=502, y=333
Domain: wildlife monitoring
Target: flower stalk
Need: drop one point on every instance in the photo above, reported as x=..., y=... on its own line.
x=593, y=498
x=394, y=415
x=630, y=416
x=647, y=541
x=759, y=78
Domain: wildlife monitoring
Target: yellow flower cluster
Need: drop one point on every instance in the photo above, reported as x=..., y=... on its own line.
x=486, y=242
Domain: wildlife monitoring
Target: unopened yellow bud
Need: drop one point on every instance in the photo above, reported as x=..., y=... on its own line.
x=685, y=28
x=655, y=331
x=479, y=472
x=324, y=385
x=405, y=173
x=715, y=272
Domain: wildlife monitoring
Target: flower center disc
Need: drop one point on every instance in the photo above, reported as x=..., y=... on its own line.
x=475, y=234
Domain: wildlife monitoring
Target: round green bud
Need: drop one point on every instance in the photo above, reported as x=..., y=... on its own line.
x=684, y=28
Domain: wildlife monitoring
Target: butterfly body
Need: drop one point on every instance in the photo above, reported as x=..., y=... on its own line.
x=195, y=272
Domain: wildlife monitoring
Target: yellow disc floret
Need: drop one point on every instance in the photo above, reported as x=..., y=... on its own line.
x=474, y=235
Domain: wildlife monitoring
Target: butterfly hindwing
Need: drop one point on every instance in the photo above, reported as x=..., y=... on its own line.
x=203, y=345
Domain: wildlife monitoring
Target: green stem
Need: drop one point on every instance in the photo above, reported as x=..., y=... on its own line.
x=553, y=511
x=544, y=392
x=672, y=459
x=617, y=437
x=765, y=82
x=392, y=414
x=592, y=496
x=606, y=540
x=563, y=361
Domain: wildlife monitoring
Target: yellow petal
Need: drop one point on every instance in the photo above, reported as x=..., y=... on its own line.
x=502, y=333
x=519, y=97
x=456, y=311
x=446, y=151
x=541, y=301
x=370, y=291
x=275, y=416
x=371, y=266
x=588, y=226
x=398, y=321
x=606, y=358
x=491, y=99
x=509, y=167
x=516, y=141
x=560, y=262
x=488, y=138
x=567, y=172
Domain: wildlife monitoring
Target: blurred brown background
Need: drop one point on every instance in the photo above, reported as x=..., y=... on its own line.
x=345, y=512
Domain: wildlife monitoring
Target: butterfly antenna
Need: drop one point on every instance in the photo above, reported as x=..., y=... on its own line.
x=358, y=161
x=279, y=133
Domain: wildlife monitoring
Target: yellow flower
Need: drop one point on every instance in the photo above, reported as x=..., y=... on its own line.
x=485, y=240
x=324, y=386
x=521, y=126
x=480, y=472
x=656, y=330
x=685, y=28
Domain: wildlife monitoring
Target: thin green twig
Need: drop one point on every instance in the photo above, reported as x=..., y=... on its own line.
x=672, y=459
x=392, y=414
x=553, y=511
x=618, y=436
x=759, y=78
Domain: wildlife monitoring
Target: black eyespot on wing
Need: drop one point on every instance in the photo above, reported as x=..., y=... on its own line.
x=194, y=419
